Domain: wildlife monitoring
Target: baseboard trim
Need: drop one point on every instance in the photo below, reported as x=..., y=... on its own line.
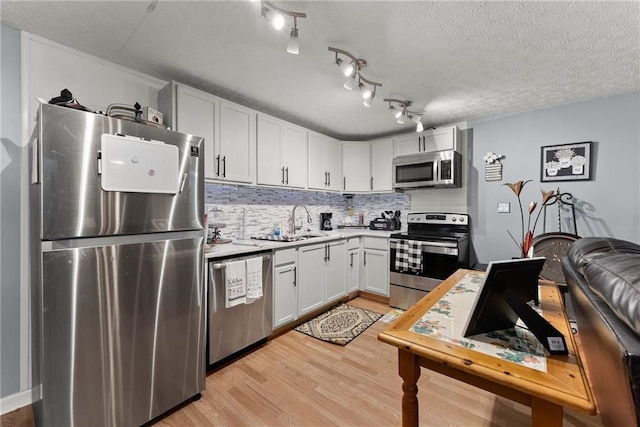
x=17, y=400
x=375, y=297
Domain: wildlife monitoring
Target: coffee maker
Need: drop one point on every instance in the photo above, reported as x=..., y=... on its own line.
x=325, y=221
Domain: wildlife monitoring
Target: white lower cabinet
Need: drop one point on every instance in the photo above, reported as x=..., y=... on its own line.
x=321, y=274
x=375, y=265
x=311, y=292
x=335, y=268
x=354, y=261
x=285, y=292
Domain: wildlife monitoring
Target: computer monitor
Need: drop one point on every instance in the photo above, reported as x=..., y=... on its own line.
x=507, y=288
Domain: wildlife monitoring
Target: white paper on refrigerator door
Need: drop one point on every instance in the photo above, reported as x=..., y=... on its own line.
x=139, y=166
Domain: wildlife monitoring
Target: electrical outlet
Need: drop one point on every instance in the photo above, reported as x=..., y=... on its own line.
x=504, y=207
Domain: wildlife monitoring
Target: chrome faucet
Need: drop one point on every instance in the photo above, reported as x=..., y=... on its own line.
x=295, y=227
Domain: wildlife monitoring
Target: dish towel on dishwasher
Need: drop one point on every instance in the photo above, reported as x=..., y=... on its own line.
x=409, y=256
x=235, y=279
x=254, y=279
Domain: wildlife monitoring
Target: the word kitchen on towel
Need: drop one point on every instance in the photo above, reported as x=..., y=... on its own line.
x=235, y=283
x=409, y=256
x=254, y=279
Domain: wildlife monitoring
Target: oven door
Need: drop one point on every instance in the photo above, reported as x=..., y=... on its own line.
x=439, y=259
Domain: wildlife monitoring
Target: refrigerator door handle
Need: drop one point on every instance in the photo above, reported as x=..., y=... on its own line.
x=182, y=182
x=35, y=161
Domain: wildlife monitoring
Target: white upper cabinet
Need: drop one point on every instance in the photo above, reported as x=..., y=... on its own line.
x=235, y=156
x=229, y=130
x=282, y=153
x=356, y=166
x=381, y=158
x=325, y=163
x=444, y=138
x=192, y=111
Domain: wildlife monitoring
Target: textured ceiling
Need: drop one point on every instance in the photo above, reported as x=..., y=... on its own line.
x=456, y=61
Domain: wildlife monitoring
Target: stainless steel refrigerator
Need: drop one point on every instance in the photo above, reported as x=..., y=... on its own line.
x=117, y=263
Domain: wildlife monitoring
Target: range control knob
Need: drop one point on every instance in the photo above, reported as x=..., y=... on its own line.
x=454, y=219
x=461, y=219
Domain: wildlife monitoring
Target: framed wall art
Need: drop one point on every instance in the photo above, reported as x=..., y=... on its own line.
x=566, y=162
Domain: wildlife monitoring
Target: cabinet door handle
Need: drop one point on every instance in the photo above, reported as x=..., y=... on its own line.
x=218, y=165
x=351, y=264
x=424, y=143
x=287, y=171
x=283, y=174
x=329, y=175
x=344, y=183
x=224, y=166
x=372, y=183
x=328, y=252
x=419, y=144
x=295, y=276
x=325, y=178
x=365, y=257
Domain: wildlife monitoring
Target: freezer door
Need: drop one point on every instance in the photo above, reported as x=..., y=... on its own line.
x=123, y=332
x=69, y=180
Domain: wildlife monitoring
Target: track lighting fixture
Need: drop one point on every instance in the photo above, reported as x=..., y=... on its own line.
x=402, y=112
x=351, y=67
x=276, y=16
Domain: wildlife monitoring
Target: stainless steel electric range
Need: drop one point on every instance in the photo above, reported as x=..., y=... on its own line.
x=434, y=246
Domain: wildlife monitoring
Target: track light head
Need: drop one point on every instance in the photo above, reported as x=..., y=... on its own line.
x=350, y=83
x=293, y=46
x=402, y=112
x=276, y=16
x=367, y=101
x=347, y=68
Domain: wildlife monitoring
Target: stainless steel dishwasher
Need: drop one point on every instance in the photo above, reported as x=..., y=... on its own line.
x=234, y=329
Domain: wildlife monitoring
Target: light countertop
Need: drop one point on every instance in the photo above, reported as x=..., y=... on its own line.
x=249, y=246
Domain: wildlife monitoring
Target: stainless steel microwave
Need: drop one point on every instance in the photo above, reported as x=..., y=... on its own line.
x=431, y=169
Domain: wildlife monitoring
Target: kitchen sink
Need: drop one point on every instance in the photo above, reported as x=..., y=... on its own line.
x=290, y=238
x=272, y=238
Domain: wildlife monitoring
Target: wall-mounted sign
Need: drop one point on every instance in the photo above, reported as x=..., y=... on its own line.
x=567, y=162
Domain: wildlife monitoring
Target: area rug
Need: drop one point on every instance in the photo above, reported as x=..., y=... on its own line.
x=340, y=324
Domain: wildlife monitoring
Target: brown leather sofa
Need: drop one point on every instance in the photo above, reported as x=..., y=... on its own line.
x=603, y=276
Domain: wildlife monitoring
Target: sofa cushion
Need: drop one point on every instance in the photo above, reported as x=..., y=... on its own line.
x=616, y=279
x=584, y=250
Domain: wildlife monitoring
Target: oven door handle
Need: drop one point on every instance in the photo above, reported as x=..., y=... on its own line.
x=444, y=250
x=428, y=245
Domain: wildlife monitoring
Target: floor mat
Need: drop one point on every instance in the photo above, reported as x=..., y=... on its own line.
x=340, y=324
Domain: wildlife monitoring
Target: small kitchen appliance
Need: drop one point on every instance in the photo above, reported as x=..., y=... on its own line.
x=388, y=221
x=325, y=221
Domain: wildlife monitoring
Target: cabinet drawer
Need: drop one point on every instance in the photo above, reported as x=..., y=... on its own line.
x=376, y=243
x=353, y=243
x=285, y=256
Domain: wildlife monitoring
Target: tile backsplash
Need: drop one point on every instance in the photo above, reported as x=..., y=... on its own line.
x=248, y=211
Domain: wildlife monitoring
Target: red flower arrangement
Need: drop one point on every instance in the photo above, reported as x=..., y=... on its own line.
x=527, y=236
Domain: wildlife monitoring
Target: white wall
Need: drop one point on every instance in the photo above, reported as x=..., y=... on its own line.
x=11, y=154
x=607, y=205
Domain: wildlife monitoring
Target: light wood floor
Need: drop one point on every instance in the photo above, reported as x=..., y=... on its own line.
x=296, y=380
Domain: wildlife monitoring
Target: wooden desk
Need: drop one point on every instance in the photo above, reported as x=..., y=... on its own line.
x=563, y=384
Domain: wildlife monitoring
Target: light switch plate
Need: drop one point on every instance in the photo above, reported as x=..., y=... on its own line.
x=504, y=207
